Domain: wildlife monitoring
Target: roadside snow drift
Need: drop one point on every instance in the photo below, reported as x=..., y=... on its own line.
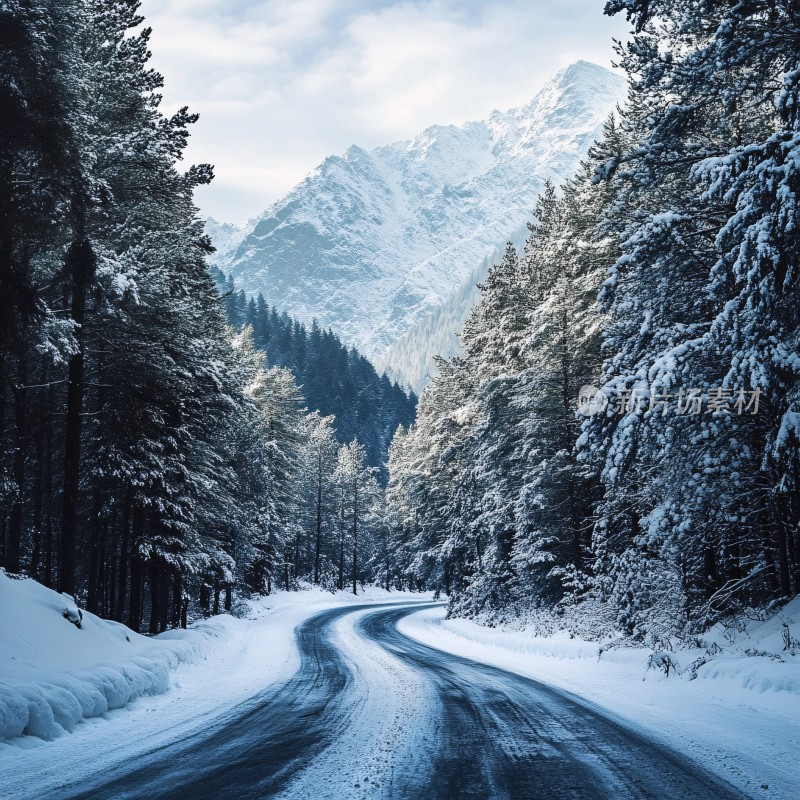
x=60, y=665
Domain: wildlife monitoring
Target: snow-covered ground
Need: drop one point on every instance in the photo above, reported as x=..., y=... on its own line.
x=122, y=694
x=740, y=716
x=60, y=665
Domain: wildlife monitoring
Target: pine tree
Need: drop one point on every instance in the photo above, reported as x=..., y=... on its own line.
x=358, y=489
x=317, y=466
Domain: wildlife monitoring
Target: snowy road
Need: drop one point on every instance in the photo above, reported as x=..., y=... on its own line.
x=372, y=713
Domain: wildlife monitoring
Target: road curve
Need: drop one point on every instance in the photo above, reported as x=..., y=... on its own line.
x=505, y=736
x=498, y=735
x=255, y=749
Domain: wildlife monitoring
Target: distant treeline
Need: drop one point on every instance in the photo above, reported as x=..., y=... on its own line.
x=334, y=379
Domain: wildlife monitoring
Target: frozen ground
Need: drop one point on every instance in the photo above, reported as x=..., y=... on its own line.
x=740, y=716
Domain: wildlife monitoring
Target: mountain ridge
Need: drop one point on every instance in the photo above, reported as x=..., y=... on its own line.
x=371, y=243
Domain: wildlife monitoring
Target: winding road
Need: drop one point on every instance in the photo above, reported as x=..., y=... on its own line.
x=380, y=715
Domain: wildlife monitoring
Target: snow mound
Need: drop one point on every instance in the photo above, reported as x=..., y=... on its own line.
x=757, y=652
x=60, y=665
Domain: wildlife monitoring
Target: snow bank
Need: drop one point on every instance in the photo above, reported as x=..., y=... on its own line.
x=60, y=665
x=754, y=654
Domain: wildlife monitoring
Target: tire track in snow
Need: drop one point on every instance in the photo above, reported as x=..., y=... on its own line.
x=255, y=750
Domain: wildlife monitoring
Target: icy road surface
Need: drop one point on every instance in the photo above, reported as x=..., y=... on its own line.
x=372, y=713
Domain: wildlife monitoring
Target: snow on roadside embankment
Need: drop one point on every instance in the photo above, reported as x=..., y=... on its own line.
x=738, y=713
x=60, y=665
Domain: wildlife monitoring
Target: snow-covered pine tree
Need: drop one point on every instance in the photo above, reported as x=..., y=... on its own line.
x=148, y=418
x=278, y=437
x=316, y=490
x=438, y=482
x=700, y=299
x=358, y=491
x=39, y=165
x=400, y=513
x=566, y=255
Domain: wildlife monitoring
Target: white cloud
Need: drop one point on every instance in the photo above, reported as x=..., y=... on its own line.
x=280, y=85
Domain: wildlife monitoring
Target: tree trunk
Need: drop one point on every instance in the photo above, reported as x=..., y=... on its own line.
x=135, y=608
x=205, y=599
x=38, y=494
x=355, y=538
x=94, y=551
x=111, y=576
x=163, y=599
x=124, y=548
x=710, y=572
x=340, y=582
x=155, y=595
x=387, y=564
x=13, y=548
x=318, y=540
x=80, y=264
x=782, y=547
x=96, y=527
x=177, y=599
x=102, y=577
x=48, y=496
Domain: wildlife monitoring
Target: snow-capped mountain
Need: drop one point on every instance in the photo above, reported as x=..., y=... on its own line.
x=372, y=243
x=226, y=237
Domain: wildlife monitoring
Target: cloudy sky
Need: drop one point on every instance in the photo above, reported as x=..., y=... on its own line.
x=280, y=84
